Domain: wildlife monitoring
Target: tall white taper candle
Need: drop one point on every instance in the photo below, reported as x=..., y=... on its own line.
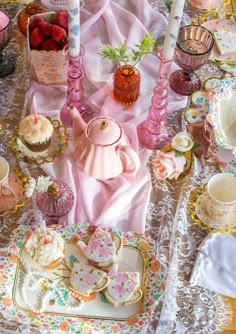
x=74, y=27
x=175, y=18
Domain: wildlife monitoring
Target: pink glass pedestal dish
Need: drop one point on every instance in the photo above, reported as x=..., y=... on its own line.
x=56, y=202
x=75, y=92
x=193, y=48
x=154, y=132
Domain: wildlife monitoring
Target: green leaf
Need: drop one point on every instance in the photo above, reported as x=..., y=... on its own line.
x=178, y=153
x=103, y=298
x=62, y=301
x=121, y=53
x=73, y=259
x=195, y=146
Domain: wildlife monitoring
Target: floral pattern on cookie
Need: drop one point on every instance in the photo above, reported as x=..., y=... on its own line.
x=87, y=279
x=102, y=248
x=123, y=287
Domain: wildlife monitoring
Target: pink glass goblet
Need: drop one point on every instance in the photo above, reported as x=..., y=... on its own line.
x=7, y=61
x=193, y=48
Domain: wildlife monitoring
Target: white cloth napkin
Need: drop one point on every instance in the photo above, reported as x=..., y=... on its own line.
x=215, y=265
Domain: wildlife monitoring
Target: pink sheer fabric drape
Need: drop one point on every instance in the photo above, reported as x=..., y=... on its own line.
x=121, y=202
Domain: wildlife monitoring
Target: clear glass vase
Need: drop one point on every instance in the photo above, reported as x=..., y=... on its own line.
x=56, y=202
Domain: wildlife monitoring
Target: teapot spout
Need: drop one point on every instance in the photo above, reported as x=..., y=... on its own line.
x=78, y=122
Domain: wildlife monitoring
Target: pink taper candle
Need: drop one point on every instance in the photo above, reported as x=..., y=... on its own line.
x=35, y=112
x=45, y=236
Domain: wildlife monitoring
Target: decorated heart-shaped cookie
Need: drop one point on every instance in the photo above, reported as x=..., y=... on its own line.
x=123, y=287
x=87, y=279
x=103, y=247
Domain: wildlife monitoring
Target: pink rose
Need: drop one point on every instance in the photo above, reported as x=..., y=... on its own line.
x=168, y=165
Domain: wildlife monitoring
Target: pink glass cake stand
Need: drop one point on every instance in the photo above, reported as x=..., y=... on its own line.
x=75, y=92
x=154, y=132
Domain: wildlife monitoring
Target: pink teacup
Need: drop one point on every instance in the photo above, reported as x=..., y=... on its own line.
x=5, y=188
x=221, y=190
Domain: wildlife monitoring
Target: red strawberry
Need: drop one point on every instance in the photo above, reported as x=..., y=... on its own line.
x=36, y=38
x=62, y=19
x=58, y=33
x=64, y=43
x=45, y=28
x=49, y=44
x=35, y=22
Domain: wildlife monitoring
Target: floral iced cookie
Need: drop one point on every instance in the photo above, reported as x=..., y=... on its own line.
x=123, y=288
x=103, y=247
x=86, y=279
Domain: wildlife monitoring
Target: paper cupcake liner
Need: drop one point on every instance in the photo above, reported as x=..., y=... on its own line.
x=37, y=147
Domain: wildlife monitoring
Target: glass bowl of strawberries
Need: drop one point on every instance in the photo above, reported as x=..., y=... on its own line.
x=47, y=36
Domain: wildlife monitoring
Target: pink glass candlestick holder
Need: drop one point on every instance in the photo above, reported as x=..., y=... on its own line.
x=56, y=202
x=154, y=132
x=75, y=92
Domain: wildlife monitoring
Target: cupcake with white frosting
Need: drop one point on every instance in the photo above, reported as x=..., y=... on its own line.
x=36, y=135
x=48, y=253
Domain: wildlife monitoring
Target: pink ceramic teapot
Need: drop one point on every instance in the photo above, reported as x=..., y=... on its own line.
x=102, y=150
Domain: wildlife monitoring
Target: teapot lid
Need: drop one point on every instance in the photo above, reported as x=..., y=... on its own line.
x=103, y=131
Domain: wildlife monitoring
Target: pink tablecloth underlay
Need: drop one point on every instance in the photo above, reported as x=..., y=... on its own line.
x=122, y=202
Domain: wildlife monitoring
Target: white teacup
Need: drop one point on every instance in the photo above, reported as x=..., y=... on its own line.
x=5, y=189
x=221, y=189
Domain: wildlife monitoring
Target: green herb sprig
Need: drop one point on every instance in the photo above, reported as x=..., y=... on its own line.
x=122, y=55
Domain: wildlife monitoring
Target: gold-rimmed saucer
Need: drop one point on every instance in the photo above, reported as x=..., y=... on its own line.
x=206, y=10
x=213, y=21
x=17, y=180
x=58, y=145
x=199, y=215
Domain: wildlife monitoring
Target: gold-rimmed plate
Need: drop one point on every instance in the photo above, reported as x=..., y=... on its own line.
x=213, y=22
x=198, y=214
x=58, y=145
x=17, y=180
x=209, y=8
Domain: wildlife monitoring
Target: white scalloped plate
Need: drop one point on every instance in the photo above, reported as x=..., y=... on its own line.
x=222, y=116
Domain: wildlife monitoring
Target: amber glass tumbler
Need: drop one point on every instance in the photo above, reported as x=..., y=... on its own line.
x=126, y=84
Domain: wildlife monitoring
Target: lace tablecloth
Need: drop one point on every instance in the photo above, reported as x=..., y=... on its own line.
x=183, y=309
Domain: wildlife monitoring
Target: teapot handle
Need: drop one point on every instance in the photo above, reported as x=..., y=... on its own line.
x=133, y=157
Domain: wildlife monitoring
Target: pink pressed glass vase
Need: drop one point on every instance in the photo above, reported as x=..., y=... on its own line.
x=194, y=45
